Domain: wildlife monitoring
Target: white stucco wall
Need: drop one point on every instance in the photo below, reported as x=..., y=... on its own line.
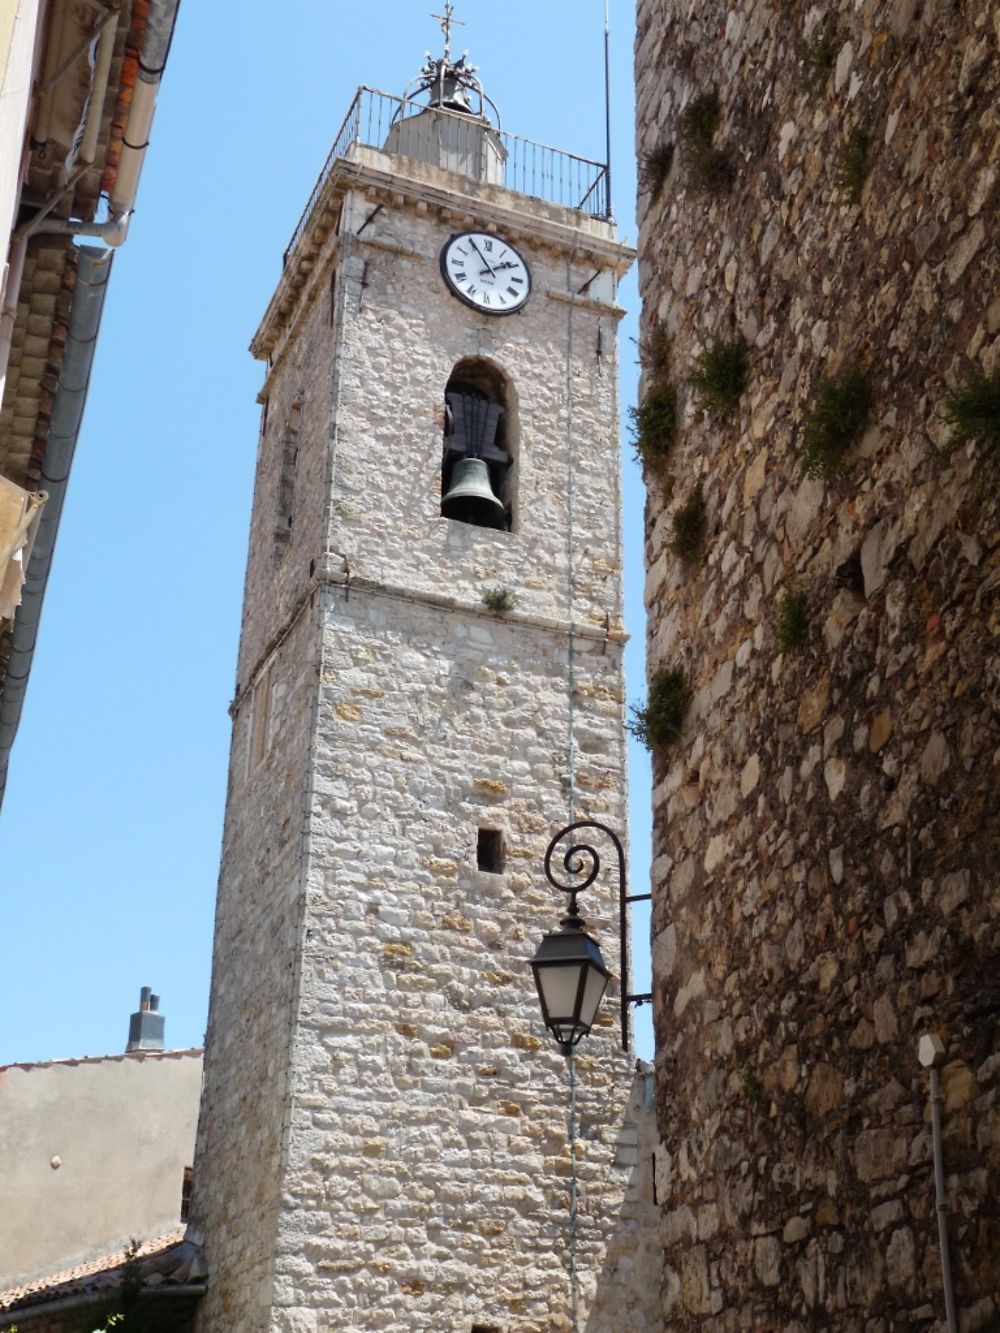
x=122, y=1129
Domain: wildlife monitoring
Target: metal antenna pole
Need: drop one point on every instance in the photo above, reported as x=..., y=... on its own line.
x=607, y=109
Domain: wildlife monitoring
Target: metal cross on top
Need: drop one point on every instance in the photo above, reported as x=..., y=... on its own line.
x=446, y=20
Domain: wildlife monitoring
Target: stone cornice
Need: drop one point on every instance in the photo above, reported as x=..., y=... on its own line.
x=464, y=202
x=611, y=633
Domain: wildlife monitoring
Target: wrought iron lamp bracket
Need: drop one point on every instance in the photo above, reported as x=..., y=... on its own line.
x=576, y=867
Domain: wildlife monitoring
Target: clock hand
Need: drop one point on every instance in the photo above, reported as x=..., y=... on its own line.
x=482, y=257
x=498, y=268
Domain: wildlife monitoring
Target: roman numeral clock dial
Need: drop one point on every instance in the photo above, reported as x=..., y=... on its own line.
x=486, y=272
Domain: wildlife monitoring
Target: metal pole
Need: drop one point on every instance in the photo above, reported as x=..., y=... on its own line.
x=942, y=1202
x=607, y=110
x=573, y=1297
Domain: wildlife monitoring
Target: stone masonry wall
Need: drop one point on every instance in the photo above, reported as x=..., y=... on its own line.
x=629, y=1291
x=258, y=911
x=826, y=826
x=259, y=905
x=427, y=1179
x=385, y=1141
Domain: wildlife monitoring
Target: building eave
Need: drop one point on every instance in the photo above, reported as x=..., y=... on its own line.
x=92, y=274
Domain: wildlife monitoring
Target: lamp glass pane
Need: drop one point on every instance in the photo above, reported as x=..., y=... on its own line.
x=593, y=993
x=559, y=986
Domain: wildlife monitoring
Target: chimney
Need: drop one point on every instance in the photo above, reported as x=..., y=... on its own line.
x=145, y=1029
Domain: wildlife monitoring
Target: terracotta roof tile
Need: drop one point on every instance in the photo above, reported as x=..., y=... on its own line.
x=168, y=1258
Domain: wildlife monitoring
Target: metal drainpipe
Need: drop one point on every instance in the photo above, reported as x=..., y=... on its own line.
x=93, y=269
x=99, y=88
x=153, y=54
x=930, y=1053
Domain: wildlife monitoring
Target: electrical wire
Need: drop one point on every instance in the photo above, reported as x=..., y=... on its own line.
x=570, y=681
x=571, y=764
x=573, y=1284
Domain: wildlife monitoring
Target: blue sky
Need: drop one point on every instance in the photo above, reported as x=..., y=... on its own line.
x=111, y=825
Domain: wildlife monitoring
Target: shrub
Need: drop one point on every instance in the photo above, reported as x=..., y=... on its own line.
x=660, y=721
x=498, y=600
x=689, y=526
x=654, y=423
x=837, y=417
x=654, y=168
x=654, y=354
x=973, y=412
x=708, y=167
x=720, y=375
x=853, y=163
x=793, y=620
x=132, y=1308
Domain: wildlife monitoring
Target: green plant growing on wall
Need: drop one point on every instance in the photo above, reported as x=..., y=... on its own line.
x=654, y=424
x=720, y=375
x=654, y=354
x=973, y=412
x=750, y=1084
x=689, y=523
x=853, y=162
x=792, y=628
x=654, y=421
x=708, y=167
x=818, y=57
x=837, y=417
x=659, y=721
x=499, y=600
x=654, y=167
x=129, y=1308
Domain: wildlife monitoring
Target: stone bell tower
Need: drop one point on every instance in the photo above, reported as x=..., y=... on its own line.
x=429, y=685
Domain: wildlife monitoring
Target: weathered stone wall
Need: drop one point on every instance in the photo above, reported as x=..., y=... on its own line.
x=385, y=1127
x=427, y=1162
x=237, y=1163
x=826, y=827
x=629, y=1288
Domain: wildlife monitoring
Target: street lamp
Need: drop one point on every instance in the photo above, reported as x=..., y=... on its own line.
x=570, y=972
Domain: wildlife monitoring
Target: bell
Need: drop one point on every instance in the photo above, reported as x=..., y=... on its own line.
x=470, y=498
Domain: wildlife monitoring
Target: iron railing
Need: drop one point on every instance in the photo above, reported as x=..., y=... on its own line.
x=526, y=167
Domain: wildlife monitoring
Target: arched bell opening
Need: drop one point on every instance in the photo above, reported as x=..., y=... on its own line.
x=477, y=466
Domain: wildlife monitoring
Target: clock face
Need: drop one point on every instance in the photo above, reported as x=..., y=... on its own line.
x=486, y=272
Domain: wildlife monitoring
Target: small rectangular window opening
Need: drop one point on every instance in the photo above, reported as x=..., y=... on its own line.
x=485, y=1328
x=186, y=1193
x=489, y=851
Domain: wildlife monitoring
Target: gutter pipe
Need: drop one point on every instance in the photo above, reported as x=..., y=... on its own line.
x=153, y=54
x=58, y=1307
x=99, y=90
x=41, y=127
x=93, y=270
